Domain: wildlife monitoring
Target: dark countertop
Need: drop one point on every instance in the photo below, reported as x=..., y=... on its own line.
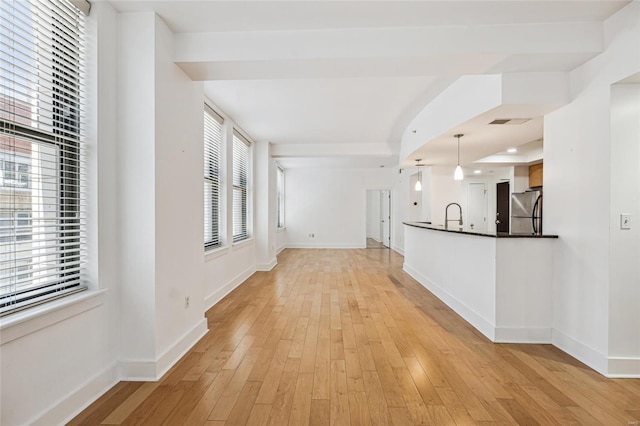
x=427, y=225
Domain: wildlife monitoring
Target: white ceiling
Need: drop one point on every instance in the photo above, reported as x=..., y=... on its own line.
x=350, y=72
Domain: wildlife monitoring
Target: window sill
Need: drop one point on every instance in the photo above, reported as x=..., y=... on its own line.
x=215, y=253
x=243, y=243
x=30, y=320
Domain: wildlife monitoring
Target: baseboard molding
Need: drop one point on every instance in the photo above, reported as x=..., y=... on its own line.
x=325, y=246
x=280, y=250
x=151, y=371
x=176, y=351
x=219, y=294
x=580, y=351
x=624, y=368
x=72, y=404
x=482, y=325
x=398, y=250
x=523, y=335
x=266, y=267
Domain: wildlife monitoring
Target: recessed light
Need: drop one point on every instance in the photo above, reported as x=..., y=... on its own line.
x=512, y=150
x=477, y=172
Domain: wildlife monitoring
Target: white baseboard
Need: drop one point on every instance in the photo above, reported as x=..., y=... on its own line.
x=280, y=249
x=325, y=246
x=72, y=404
x=138, y=370
x=398, y=250
x=481, y=324
x=176, y=351
x=624, y=368
x=217, y=296
x=151, y=371
x=266, y=267
x=580, y=351
x=538, y=335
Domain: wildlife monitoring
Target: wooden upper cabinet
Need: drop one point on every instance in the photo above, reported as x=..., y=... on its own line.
x=535, y=175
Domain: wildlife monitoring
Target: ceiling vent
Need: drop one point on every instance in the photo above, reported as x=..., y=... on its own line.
x=510, y=121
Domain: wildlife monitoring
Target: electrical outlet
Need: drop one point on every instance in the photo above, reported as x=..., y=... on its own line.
x=186, y=302
x=625, y=221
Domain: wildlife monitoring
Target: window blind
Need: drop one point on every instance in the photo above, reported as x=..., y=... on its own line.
x=212, y=161
x=240, y=187
x=42, y=167
x=280, y=195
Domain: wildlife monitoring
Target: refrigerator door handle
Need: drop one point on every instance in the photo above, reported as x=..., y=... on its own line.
x=534, y=216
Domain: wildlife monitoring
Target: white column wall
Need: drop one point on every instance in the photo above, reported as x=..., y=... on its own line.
x=179, y=210
x=136, y=185
x=577, y=183
x=265, y=206
x=400, y=200
x=624, y=292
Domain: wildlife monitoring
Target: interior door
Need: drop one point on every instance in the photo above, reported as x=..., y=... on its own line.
x=385, y=216
x=502, y=207
x=477, y=207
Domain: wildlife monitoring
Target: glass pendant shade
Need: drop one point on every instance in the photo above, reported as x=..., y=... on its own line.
x=458, y=175
x=418, y=185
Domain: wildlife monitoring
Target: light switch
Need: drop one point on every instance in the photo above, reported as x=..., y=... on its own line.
x=625, y=221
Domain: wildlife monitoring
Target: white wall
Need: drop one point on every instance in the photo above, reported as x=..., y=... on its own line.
x=579, y=169
x=331, y=204
x=624, y=284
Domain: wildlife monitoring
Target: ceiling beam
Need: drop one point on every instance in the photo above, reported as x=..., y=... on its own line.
x=307, y=150
x=546, y=38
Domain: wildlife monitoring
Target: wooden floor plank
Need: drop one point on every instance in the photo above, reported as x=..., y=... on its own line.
x=346, y=337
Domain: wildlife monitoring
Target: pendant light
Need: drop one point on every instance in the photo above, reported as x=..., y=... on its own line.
x=458, y=175
x=418, y=186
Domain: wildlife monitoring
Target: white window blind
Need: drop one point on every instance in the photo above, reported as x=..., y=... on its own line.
x=280, y=195
x=241, y=148
x=212, y=162
x=42, y=167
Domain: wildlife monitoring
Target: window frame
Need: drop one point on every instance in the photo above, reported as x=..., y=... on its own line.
x=57, y=131
x=238, y=186
x=216, y=181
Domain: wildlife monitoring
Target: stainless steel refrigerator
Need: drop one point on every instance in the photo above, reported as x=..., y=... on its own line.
x=526, y=213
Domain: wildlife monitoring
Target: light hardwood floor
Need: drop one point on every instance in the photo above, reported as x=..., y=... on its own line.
x=345, y=337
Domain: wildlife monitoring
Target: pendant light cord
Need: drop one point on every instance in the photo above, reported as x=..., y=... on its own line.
x=458, y=136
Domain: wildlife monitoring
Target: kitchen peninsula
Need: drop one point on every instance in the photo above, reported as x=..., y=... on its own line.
x=499, y=283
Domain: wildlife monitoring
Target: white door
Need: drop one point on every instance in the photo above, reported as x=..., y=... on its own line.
x=477, y=207
x=385, y=216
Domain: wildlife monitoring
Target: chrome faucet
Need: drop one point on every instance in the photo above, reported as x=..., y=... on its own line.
x=446, y=215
